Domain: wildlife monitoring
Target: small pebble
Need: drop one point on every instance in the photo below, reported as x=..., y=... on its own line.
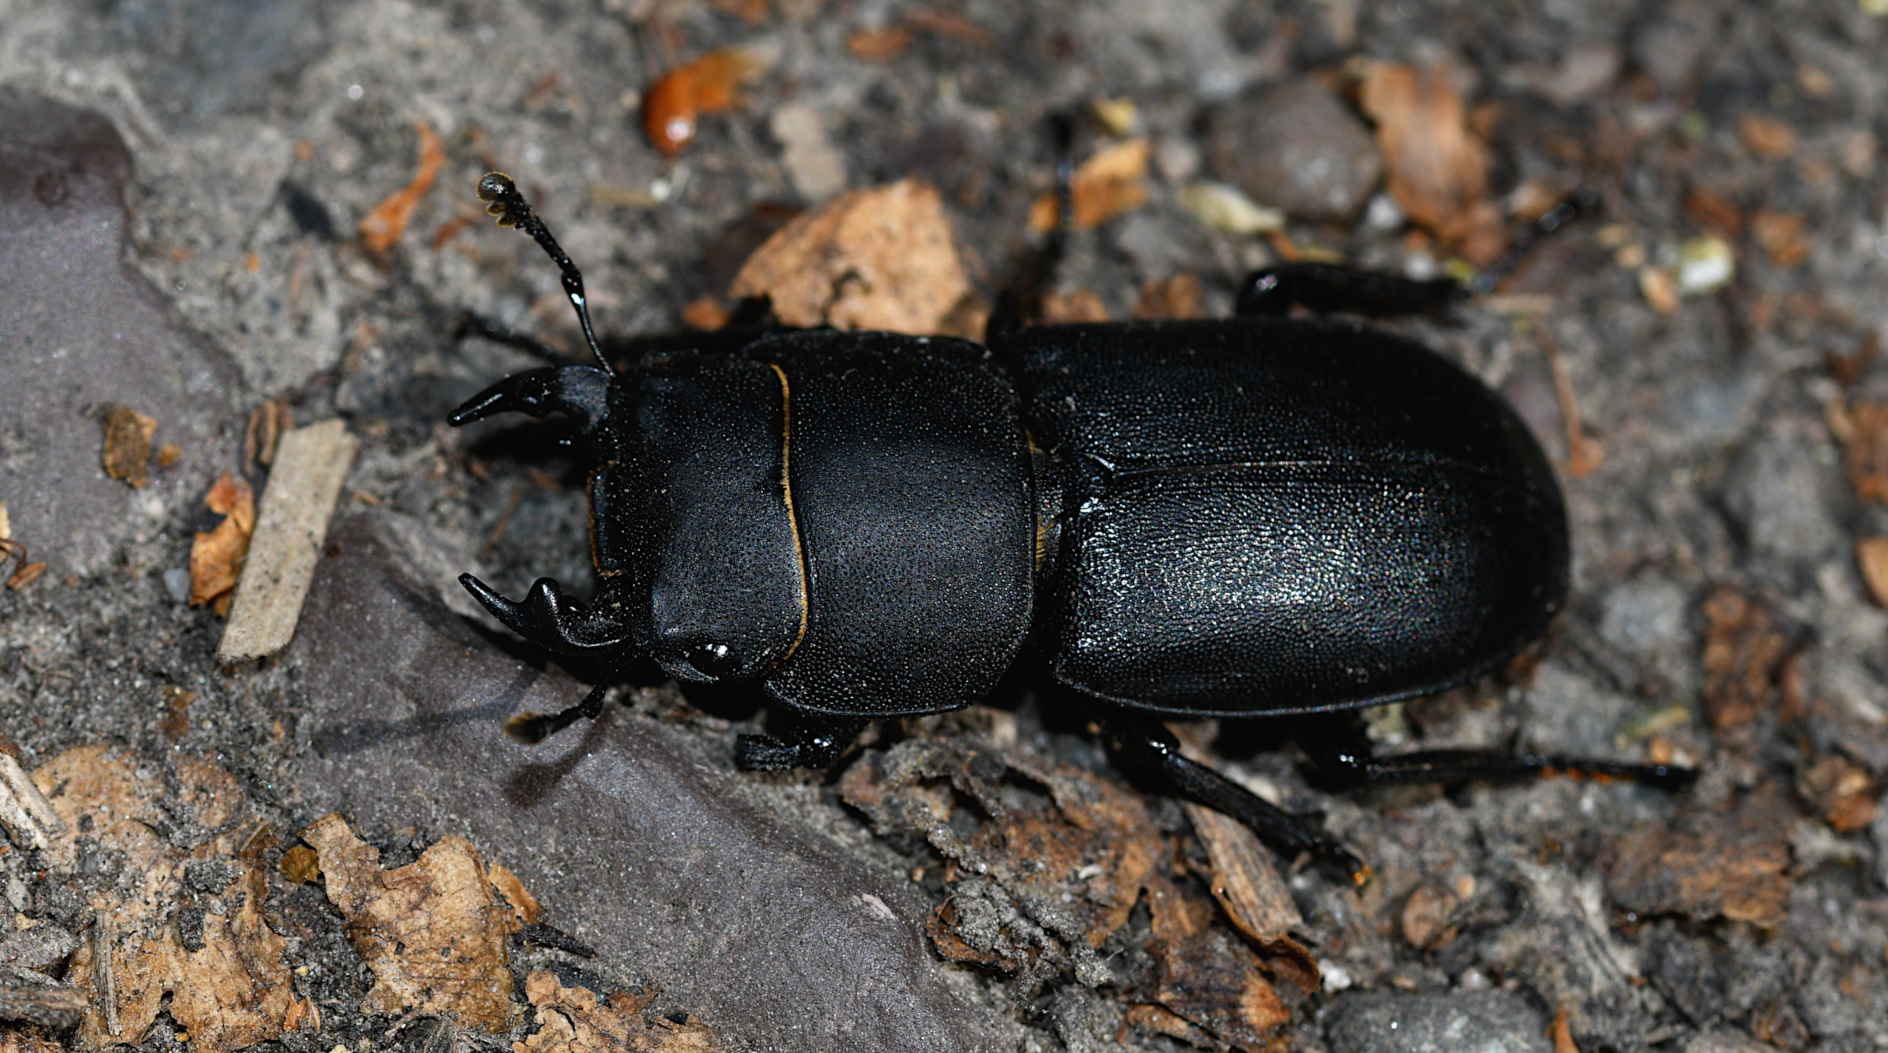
x=1294, y=146
x=1490, y=1021
x=177, y=583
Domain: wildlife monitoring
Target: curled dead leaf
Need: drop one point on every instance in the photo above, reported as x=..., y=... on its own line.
x=575, y=1020
x=382, y=227
x=880, y=258
x=216, y=556
x=1438, y=167
x=1871, y=554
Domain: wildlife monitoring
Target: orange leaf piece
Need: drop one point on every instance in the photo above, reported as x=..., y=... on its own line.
x=128, y=444
x=673, y=105
x=216, y=556
x=1109, y=184
x=384, y=225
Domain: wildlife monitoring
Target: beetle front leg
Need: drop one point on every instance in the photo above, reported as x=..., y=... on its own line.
x=815, y=747
x=1153, y=747
x=532, y=728
x=1323, y=288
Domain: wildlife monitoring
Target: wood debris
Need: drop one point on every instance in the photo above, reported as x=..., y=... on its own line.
x=1767, y=137
x=575, y=1020
x=879, y=45
x=310, y=466
x=30, y=819
x=1781, y=235
x=128, y=444
x=1438, y=167
x=673, y=105
x=230, y=986
x=1747, y=662
x=880, y=258
x=1111, y=183
x=266, y=425
x=432, y=932
x=381, y=228
x=1736, y=867
x=216, y=556
x=1865, y=450
x=1175, y=297
x=1425, y=920
x=1072, y=307
x=1842, y=792
x=1871, y=555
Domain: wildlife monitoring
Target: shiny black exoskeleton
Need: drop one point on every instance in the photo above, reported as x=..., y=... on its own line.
x=1257, y=516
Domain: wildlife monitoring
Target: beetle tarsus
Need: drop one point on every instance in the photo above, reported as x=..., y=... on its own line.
x=549, y=619
x=816, y=748
x=531, y=728
x=1343, y=752
x=503, y=201
x=1152, y=747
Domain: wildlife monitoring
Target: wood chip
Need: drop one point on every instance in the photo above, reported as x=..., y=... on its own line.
x=310, y=465
x=1438, y=167
x=128, y=444
x=1736, y=868
x=879, y=45
x=432, y=932
x=1781, y=235
x=1111, y=183
x=1844, y=793
x=1072, y=307
x=1744, y=658
x=1865, y=451
x=1175, y=297
x=1659, y=289
x=523, y=903
x=1426, y=915
x=30, y=819
x=382, y=227
x=574, y=1020
x=1871, y=554
x=1254, y=897
x=881, y=258
x=1215, y=982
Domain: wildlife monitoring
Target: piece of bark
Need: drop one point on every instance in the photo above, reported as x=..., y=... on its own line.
x=310, y=465
x=27, y=815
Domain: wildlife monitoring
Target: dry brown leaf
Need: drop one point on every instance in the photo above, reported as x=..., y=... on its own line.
x=1070, y=308
x=1737, y=868
x=1865, y=453
x=432, y=932
x=1214, y=981
x=1254, y=897
x=169, y=454
x=1715, y=212
x=574, y=1020
x=1844, y=793
x=1111, y=183
x=673, y=105
x=879, y=45
x=1745, y=660
x=1781, y=235
x=26, y=573
x=22, y=1042
x=1659, y=290
x=175, y=723
x=381, y=228
x=232, y=989
x=300, y=864
x=128, y=444
x=523, y=903
x=1425, y=918
x=216, y=556
x=1563, y=1033
x=1175, y=297
x=881, y=258
x=1871, y=554
x=1438, y=167
x=1767, y=137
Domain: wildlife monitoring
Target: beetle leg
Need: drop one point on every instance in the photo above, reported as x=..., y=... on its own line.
x=1020, y=304
x=533, y=728
x=1340, y=748
x=578, y=392
x=1323, y=288
x=1153, y=747
x=549, y=619
x=816, y=747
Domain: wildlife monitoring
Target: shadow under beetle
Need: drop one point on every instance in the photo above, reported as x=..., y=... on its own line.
x=1260, y=516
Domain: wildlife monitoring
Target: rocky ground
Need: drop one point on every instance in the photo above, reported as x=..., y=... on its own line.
x=195, y=224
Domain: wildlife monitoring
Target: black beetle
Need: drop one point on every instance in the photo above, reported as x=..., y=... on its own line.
x=1259, y=516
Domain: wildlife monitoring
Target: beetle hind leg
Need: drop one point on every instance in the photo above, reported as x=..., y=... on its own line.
x=816, y=747
x=1340, y=749
x=1147, y=745
x=549, y=619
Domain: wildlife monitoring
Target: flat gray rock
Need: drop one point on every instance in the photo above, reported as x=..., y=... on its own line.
x=635, y=838
x=1492, y=1021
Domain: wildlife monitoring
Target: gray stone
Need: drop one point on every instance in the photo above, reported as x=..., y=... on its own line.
x=79, y=332
x=1296, y=148
x=1667, y=45
x=637, y=838
x=1723, y=1040
x=1780, y=498
x=1492, y=1021
x=1644, y=617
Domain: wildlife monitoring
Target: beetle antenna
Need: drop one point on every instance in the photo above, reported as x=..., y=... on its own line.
x=1021, y=303
x=1582, y=202
x=503, y=200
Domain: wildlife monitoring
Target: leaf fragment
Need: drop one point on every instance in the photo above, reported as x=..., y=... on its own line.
x=128, y=444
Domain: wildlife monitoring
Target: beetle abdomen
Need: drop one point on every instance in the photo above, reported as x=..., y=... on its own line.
x=1269, y=516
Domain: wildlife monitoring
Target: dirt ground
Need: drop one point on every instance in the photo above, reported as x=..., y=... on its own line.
x=228, y=218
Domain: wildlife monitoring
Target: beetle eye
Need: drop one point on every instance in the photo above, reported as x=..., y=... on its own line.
x=715, y=661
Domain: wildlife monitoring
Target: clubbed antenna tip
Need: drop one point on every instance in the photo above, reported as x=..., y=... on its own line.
x=503, y=201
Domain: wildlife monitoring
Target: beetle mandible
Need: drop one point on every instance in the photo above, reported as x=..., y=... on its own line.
x=1259, y=516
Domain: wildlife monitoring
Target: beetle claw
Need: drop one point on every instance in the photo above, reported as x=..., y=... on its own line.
x=549, y=619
